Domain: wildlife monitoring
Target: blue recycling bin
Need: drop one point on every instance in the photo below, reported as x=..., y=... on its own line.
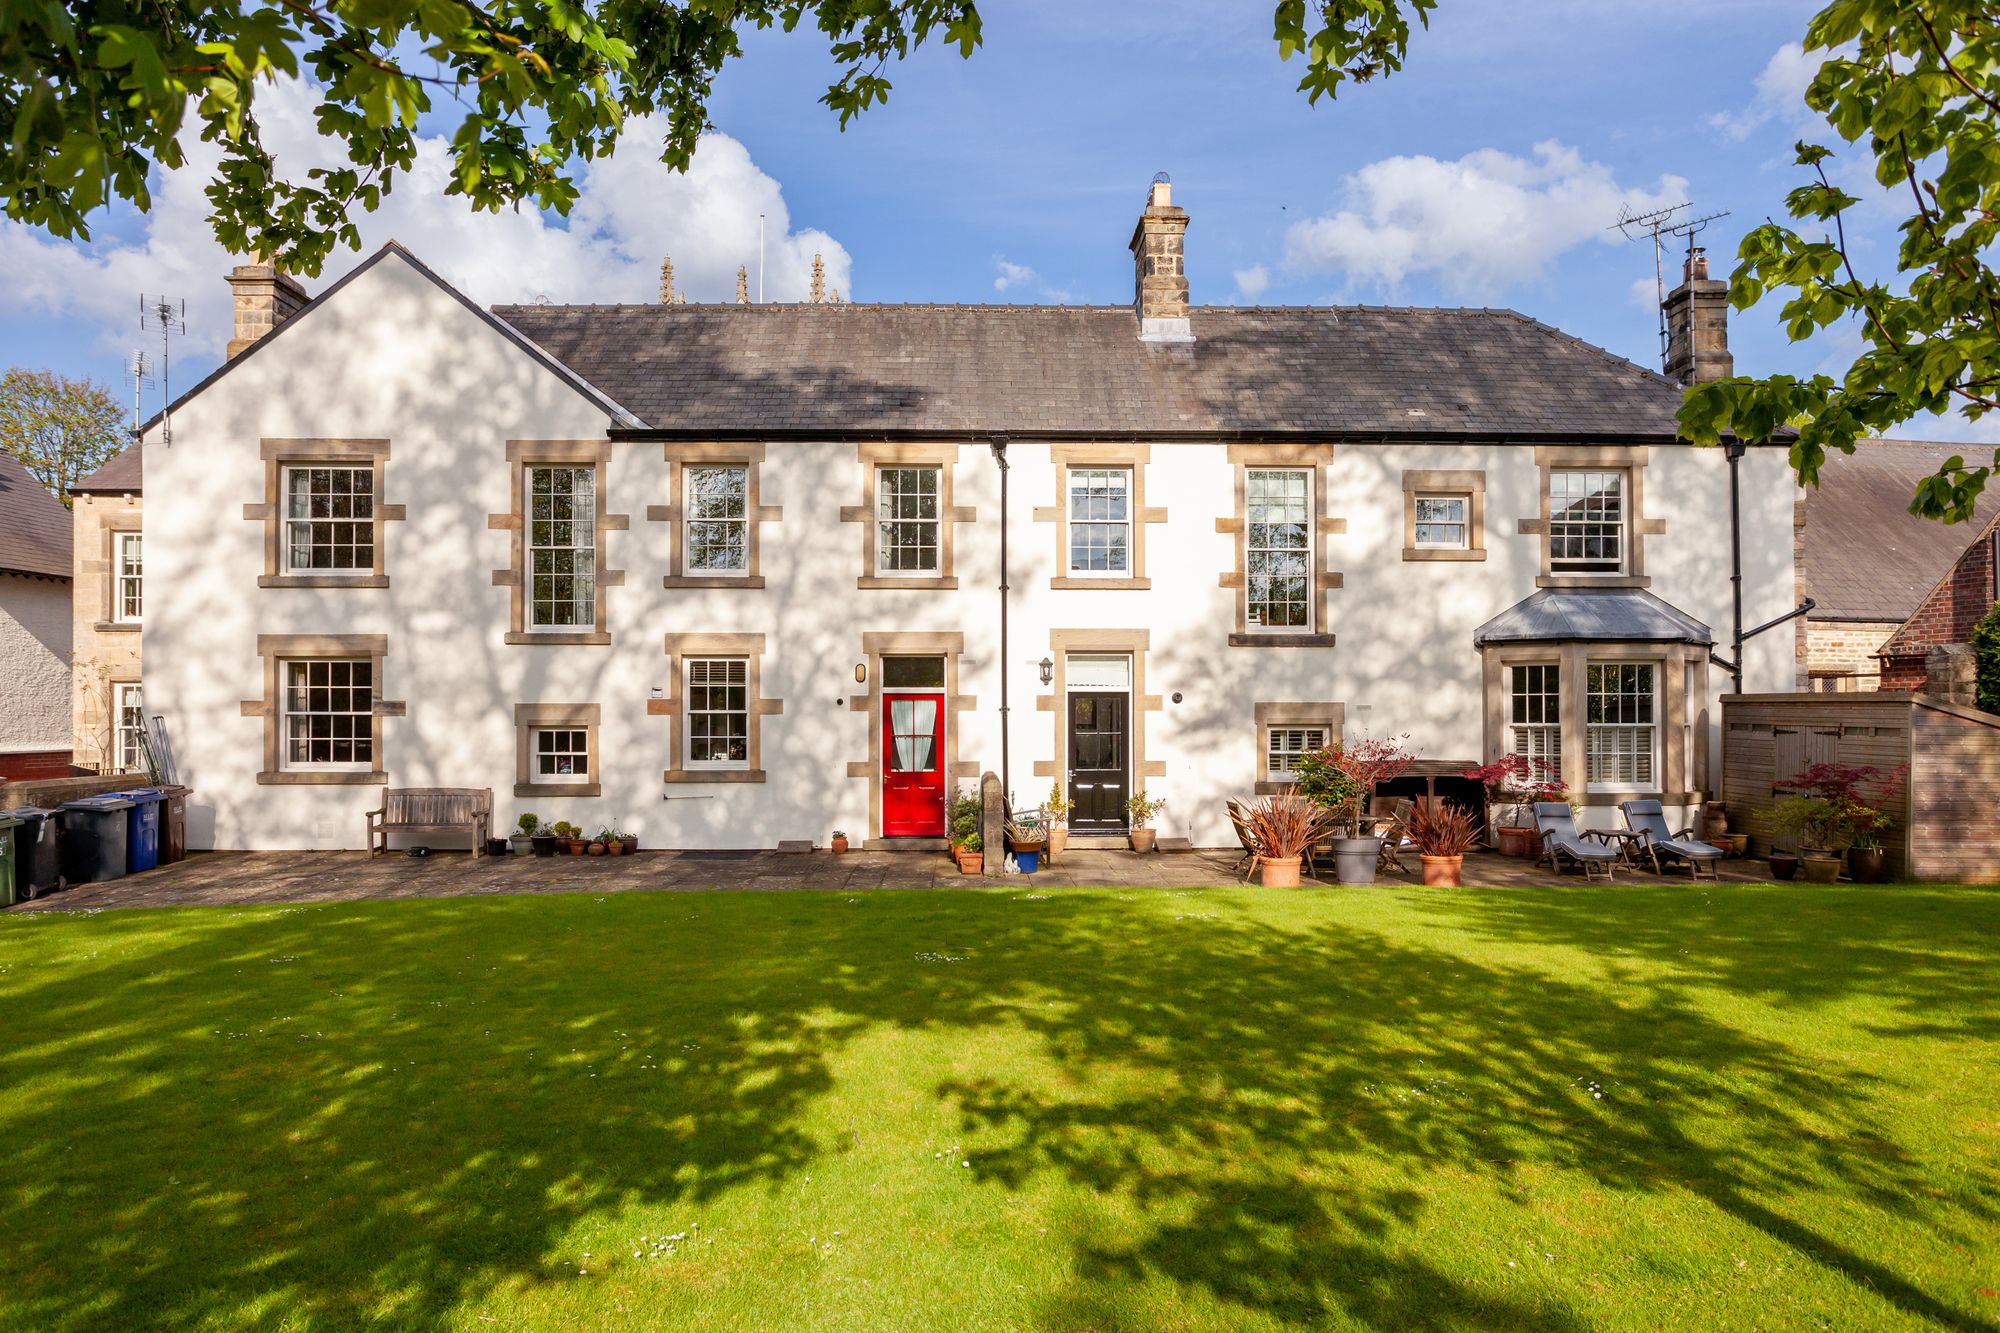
x=93, y=838
x=142, y=828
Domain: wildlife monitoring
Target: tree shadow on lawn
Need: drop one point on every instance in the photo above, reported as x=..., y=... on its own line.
x=328, y=1116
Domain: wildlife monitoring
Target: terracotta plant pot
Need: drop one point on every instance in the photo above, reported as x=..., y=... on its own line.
x=594, y=848
x=576, y=846
x=1783, y=865
x=1714, y=821
x=1821, y=869
x=1868, y=865
x=1444, y=872
x=1279, y=872
x=615, y=847
x=1516, y=840
x=972, y=863
x=839, y=844
x=1143, y=839
x=1058, y=839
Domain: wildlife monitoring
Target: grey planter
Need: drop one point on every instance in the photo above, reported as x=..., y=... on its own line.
x=1354, y=859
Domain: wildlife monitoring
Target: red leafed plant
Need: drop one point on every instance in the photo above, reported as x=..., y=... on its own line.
x=1285, y=824
x=1854, y=797
x=1516, y=778
x=1342, y=776
x=1442, y=828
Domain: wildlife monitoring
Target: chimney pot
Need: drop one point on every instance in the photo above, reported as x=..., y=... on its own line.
x=1698, y=325
x=1160, y=286
x=265, y=297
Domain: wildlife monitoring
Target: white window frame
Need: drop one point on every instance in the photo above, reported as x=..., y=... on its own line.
x=585, y=552
x=286, y=713
x=1616, y=527
x=1299, y=739
x=130, y=570
x=288, y=520
x=1304, y=475
x=1649, y=781
x=740, y=520
x=689, y=711
x=1547, y=740
x=1079, y=483
x=542, y=777
x=127, y=697
x=1464, y=521
x=886, y=500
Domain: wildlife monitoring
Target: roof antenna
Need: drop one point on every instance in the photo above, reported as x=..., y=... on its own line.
x=139, y=372
x=1660, y=222
x=760, y=259
x=169, y=320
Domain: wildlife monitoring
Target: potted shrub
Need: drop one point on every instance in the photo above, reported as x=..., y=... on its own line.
x=600, y=843
x=1284, y=826
x=571, y=837
x=1849, y=804
x=523, y=841
x=1442, y=832
x=838, y=842
x=1812, y=824
x=1513, y=784
x=1058, y=811
x=1140, y=812
x=544, y=839
x=614, y=842
x=963, y=817
x=631, y=842
x=1341, y=778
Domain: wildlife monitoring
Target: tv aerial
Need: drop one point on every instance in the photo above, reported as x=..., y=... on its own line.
x=1674, y=220
x=170, y=319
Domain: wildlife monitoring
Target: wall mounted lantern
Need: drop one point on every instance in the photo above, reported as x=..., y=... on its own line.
x=1048, y=670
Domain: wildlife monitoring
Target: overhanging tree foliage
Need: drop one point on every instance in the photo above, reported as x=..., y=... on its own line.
x=61, y=429
x=1917, y=82
x=95, y=96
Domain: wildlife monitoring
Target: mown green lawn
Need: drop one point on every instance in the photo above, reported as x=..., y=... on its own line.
x=1395, y=1108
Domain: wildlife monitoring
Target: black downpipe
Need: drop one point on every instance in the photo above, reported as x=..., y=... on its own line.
x=1734, y=449
x=1006, y=778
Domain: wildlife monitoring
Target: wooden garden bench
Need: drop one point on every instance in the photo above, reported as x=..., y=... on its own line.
x=432, y=810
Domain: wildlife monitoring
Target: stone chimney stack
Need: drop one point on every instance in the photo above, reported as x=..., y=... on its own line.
x=742, y=285
x=1160, y=285
x=667, y=281
x=1698, y=325
x=818, y=279
x=266, y=296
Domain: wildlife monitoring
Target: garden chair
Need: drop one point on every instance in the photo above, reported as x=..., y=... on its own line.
x=1649, y=821
x=1394, y=830
x=1251, y=857
x=1555, y=823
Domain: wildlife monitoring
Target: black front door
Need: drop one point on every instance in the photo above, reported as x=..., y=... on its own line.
x=1098, y=782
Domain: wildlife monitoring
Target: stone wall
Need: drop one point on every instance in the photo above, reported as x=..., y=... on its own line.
x=1836, y=649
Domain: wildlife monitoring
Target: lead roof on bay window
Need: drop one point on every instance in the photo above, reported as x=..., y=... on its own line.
x=1592, y=615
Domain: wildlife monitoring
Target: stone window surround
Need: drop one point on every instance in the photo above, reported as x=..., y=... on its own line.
x=277, y=649
x=680, y=457
x=114, y=525
x=1313, y=458
x=1677, y=785
x=1270, y=716
x=1629, y=459
x=679, y=648
x=1063, y=642
x=530, y=718
x=1428, y=482
x=876, y=645
x=874, y=457
x=521, y=455
x=112, y=687
x=1132, y=458
x=279, y=454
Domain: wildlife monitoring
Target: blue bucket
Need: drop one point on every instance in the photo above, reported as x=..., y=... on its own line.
x=1029, y=862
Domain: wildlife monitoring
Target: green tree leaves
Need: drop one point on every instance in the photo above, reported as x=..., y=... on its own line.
x=60, y=428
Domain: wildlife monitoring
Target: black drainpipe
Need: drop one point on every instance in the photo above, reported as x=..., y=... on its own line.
x=1734, y=450
x=1006, y=778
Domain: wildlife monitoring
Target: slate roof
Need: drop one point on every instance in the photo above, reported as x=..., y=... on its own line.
x=1866, y=556
x=829, y=371
x=120, y=475
x=1592, y=615
x=34, y=526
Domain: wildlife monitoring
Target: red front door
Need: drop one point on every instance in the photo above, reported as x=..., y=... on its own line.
x=913, y=766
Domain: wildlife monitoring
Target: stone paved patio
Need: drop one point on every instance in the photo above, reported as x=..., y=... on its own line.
x=209, y=878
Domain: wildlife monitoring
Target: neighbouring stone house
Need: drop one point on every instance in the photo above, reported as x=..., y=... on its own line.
x=34, y=627
x=1870, y=565
x=727, y=575
x=107, y=613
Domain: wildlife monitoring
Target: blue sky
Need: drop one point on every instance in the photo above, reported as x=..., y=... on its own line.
x=1484, y=174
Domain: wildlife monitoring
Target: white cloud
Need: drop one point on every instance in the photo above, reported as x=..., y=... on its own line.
x=1012, y=274
x=1645, y=292
x=1478, y=225
x=1251, y=282
x=631, y=211
x=1780, y=94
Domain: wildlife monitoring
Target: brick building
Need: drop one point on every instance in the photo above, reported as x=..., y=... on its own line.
x=1946, y=615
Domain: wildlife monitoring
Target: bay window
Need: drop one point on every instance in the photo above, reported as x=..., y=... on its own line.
x=1534, y=716
x=1621, y=739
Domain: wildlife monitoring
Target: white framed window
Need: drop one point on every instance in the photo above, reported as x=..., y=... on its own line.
x=907, y=519
x=329, y=714
x=128, y=586
x=1100, y=521
x=329, y=519
x=718, y=518
x=1586, y=521
x=561, y=754
x=1534, y=715
x=1622, y=740
x=1283, y=747
x=1278, y=548
x=718, y=713
x=562, y=546
x=1444, y=522
x=128, y=727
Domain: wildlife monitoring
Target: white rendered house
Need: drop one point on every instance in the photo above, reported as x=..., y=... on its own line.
x=727, y=575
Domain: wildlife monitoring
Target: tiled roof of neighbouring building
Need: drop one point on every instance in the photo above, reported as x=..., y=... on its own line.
x=119, y=476
x=843, y=370
x=1866, y=556
x=34, y=526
